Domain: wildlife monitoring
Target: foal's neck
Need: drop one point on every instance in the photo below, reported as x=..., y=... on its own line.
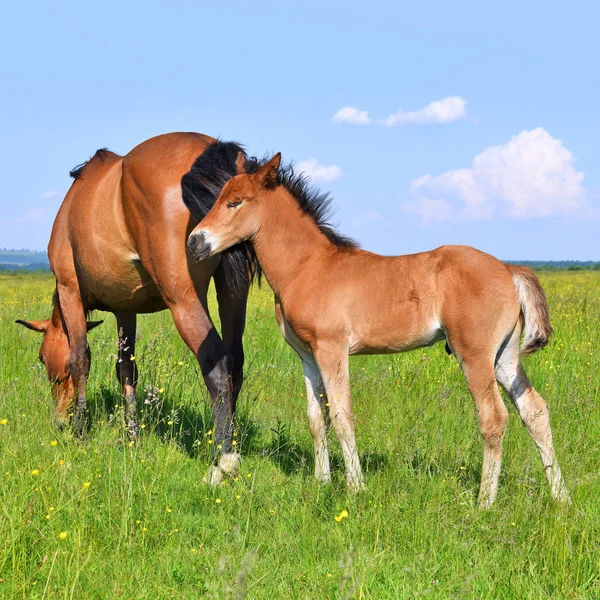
x=287, y=240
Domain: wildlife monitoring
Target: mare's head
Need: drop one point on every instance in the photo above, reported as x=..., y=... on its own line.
x=236, y=214
x=55, y=356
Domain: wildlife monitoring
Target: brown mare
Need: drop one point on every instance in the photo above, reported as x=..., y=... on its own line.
x=118, y=244
x=333, y=299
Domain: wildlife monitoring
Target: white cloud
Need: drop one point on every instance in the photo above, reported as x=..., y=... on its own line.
x=318, y=172
x=440, y=111
x=532, y=175
x=352, y=115
x=48, y=194
x=33, y=214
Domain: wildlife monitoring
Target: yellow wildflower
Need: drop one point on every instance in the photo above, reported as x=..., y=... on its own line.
x=86, y=485
x=35, y=472
x=62, y=535
x=53, y=443
x=218, y=500
x=342, y=515
x=4, y=422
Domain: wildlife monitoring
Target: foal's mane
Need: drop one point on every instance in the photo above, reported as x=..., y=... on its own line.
x=76, y=172
x=312, y=201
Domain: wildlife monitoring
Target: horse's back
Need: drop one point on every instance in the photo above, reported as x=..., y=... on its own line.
x=126, y=224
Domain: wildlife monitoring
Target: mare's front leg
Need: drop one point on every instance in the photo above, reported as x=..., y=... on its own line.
x=197, y=330
x=127, y=372
x=316, y=397
x=73, y=313
x=333, y=365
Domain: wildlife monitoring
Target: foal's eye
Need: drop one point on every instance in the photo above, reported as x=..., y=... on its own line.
x=234, y=203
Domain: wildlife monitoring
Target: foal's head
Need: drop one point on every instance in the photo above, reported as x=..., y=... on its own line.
x=236, y=215
x=55, y=356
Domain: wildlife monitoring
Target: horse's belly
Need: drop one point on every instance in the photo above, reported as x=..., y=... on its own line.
x=397, y=339
x=119, y=281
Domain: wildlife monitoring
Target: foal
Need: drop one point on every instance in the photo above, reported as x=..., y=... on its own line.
x=333, y=299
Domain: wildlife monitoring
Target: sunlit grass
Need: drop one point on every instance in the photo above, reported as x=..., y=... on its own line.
x=98, y=518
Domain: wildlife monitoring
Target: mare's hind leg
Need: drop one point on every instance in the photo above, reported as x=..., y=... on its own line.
x=533, y=411
x=198, y=332
x=492, y=415
x=73, y=312
x=127, y=372
x=316, y=397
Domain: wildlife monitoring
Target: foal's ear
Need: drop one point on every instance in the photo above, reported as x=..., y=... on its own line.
x=240, y=164
x=40, y=326
x=268, y=172
x=92, y=324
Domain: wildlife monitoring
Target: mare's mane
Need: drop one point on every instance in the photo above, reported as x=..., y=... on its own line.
x=76, y=172
x=200, y=188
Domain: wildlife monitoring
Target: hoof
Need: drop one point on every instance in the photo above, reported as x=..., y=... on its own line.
x=230, y=463
x=323, y=478
x=133, y=430
x=356, y=487
x=563, y=498
x=213, y=477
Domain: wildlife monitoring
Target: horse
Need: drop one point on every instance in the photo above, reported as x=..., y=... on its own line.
x=118, y=244
x=333, y=299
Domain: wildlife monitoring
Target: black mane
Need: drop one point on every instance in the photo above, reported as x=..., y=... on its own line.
x=313, y=202
x=200, y=189
x=75, y=173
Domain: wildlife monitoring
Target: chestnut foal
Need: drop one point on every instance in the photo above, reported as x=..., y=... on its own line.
x=119, y=244
x=333, y=299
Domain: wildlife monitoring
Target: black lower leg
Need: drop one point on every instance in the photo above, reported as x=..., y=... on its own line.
x=127, y=372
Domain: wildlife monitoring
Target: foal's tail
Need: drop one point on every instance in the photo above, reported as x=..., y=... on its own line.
x=534, y=308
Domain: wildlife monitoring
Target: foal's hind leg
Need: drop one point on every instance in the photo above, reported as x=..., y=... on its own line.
x=127, y=372
x=492, y=415
x=533, y=411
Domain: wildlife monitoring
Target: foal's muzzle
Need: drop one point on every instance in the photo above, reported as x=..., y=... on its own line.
x=198, y=246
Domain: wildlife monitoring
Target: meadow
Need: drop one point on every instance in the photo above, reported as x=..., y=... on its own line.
x=100, y=518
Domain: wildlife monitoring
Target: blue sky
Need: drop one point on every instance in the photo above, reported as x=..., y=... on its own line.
x=464, y=122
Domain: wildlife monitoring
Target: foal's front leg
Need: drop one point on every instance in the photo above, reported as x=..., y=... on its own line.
x=333, y=365
x=315, y=394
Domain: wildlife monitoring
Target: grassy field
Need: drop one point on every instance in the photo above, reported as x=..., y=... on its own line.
x=96, y=518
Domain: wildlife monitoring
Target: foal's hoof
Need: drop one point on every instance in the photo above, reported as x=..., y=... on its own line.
x=356, y=487
x=563, y=498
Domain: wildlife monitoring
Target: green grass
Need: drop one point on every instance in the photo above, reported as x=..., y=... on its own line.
x=146, y=527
